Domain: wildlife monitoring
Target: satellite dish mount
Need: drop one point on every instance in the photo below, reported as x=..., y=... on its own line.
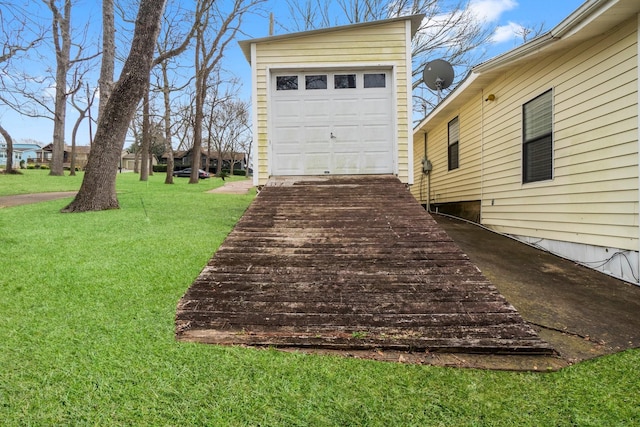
x=437, y=75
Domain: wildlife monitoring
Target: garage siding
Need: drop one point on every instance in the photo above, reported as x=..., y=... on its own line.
x=382, y=45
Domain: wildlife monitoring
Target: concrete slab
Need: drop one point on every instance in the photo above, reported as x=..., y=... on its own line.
x=581, y=312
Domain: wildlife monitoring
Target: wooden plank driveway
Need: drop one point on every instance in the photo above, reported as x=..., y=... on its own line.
x=348, y=263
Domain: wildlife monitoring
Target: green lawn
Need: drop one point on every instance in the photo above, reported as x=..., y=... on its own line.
x=87, y=306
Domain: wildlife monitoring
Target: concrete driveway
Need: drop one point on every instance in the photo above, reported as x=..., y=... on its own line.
x=582, y=313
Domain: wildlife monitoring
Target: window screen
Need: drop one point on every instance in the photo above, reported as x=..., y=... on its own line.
x=537, y=145
x=454, y=140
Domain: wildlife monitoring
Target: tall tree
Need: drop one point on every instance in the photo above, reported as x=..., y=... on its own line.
x=166, y=81
x=98, y=189
x=61, y=33
x=105, y=81
x=83, y=111
x=219, y=25
x=17, y=36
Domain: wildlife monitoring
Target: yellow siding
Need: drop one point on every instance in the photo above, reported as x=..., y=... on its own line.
x=383, y=44
x=462, y=184
x=593, y=196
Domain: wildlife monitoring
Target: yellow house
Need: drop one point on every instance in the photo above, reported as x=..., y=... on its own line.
x=333, y=101
x=541, y=143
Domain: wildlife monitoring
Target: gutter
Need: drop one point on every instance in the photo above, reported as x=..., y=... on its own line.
x=570, y=24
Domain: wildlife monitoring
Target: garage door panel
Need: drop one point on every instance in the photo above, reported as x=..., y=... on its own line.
x=316, y=109
x=372, y=133
x=288, y=135
x=288, y=109
x=318, y=134
x=374, y=163
x=346, y=134
x=289, y=164
x=316, y=164
x=347, y=163
x=375, y=108
x=345, y=108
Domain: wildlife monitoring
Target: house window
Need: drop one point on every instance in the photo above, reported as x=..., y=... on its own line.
x=316, y=82
x=537, y=139
x=454, y=140
x=374, y=80
x=287, y=83
x=344, y=81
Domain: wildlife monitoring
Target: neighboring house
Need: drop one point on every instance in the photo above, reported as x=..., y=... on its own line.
x=21, y=152
x=128, y=160
x=82, y=155
x=333, y=101
x=541, y=143
x=182, y=159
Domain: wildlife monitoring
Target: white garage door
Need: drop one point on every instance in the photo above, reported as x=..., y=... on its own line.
x=332, y=123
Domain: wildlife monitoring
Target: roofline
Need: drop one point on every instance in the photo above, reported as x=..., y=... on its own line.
x=582, y=16
x=245, y=45
x=564, y=28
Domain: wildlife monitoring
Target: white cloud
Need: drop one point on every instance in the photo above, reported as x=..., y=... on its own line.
x=505, y=33
x=491, y=10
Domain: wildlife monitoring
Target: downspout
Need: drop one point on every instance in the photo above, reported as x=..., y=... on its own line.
x=482, y=101
x=255, y=146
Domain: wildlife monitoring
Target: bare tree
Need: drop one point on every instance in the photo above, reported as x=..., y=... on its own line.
x=61, y=34
x=528, y=33
x=17, y=36
x=9, y=141
x=82, y=114
x=166, y=82
x=218, y=27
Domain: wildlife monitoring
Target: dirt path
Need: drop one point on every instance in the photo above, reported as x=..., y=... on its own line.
x=25, y=199
x=233, y=187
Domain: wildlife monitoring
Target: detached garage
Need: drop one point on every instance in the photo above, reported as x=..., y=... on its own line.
x=334, y=101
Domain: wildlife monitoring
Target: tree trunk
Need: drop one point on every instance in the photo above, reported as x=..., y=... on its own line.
x=72, y=164
x=105, y=81
x=7, y=137
x=166, y=91
x=62, y=41
x=98, y=189
x=145, y=144
x=198, y=117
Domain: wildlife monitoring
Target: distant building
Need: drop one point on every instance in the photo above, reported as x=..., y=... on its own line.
x=82, y=155
x=21, y=152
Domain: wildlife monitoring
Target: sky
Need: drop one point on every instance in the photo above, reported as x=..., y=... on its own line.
x=508, y=16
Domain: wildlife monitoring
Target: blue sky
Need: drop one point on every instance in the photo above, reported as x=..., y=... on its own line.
x=507, y=15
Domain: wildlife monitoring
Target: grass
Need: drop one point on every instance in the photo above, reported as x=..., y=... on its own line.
x=87, y=306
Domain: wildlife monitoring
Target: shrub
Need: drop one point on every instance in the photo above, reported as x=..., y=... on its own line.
x=159, y=168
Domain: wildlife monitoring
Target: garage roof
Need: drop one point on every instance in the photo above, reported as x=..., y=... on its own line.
x=245, y=45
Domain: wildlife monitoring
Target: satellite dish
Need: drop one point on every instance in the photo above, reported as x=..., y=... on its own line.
x=437, y=75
